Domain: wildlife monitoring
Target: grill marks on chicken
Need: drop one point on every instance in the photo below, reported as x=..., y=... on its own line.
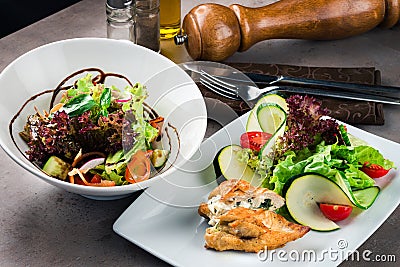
x=252, y=231
x=237, y=225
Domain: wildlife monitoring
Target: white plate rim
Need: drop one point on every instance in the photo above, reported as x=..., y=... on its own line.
x=100, y=193
x=352, y=245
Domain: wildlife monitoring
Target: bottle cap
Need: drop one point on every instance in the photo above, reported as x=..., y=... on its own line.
x=119, y=3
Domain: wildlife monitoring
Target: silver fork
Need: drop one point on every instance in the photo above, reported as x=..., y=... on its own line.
x=250, y=93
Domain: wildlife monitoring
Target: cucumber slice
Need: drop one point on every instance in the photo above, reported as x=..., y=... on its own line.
x=366, y=197
x=56, y=167
x=362, y=199
x=344, y=134
x=159, y=157
x=354, y=141
x=231, y=168
x=303, y=195
x=272, y=119
x=252, y=121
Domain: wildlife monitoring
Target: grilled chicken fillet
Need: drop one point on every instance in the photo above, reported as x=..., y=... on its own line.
x=238, y=193
x=252, y=231
x=242, y=218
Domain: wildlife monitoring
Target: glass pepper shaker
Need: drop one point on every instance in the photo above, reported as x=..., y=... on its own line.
x=120, y=19
x=147, y=23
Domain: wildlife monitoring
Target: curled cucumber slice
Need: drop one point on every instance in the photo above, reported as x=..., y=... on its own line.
x=252, y=121
x=304, y=193
x=231, y=168
x=272, y=119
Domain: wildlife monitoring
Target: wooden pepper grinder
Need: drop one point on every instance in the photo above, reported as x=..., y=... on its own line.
x=215, y=32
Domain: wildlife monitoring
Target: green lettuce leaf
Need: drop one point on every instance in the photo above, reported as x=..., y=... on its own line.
x=371, y=155
x=145, y=132
x=284, y=170
x=328, y=160
x=261, y=166
x=118, y=179
x=78, y=105
x=357, y=179
x=150, y=133
x=84, y=84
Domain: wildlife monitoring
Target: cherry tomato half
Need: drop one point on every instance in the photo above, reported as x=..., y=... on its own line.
x=138, y=168
x=335, y=212
x=374, y=170
x=254, y=140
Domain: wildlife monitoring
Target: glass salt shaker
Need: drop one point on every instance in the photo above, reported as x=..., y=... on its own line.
x=147, y=24
x=120, y=19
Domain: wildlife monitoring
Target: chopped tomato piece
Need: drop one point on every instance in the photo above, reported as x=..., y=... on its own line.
x=254, y=140
x=78, y=180
x=157, y=123
x=374, y=170
x=138, y=168
x=96, y=179
x=335, y=212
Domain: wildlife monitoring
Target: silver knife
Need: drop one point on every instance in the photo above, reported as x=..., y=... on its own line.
x=389, y=91
x=230, y=74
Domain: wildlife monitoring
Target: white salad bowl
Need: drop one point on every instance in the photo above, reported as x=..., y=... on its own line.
x=172, y=94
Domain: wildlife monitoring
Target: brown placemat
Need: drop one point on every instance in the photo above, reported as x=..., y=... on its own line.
x=349, y=111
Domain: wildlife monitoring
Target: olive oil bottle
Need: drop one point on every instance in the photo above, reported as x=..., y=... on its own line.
x=170, y=18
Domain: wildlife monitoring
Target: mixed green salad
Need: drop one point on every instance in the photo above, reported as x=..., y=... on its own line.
x=291, y=147
x=97, y=135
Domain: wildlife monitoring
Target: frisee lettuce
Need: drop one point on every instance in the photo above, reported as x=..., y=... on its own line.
x=144, y=132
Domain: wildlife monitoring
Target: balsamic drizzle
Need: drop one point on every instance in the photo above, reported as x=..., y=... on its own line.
x=100, y=78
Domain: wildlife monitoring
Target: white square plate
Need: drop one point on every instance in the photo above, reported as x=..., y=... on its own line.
x=165, y=222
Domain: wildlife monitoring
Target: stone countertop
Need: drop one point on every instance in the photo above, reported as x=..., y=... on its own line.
x=41, y=225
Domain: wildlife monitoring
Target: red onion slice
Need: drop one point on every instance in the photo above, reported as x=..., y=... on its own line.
x=91, y=164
